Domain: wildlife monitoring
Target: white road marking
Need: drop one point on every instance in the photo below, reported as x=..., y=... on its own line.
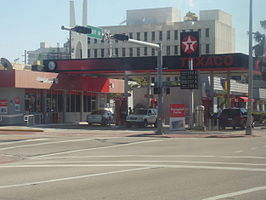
x=22, y=141
x=255, y=189
x=96, y=148
x=72, y=178
x=136, y=165
x=45, y=143
x=152, y=161
x=156, y=156
x=253, y=148
x=239, y=151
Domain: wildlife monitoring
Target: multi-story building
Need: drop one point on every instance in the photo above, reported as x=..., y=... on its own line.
x=45, y=52
x=163, y=25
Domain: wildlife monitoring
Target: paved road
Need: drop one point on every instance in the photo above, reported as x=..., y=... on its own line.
x=45, y=166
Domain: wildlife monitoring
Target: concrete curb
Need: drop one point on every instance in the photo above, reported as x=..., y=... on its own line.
x=21, y=130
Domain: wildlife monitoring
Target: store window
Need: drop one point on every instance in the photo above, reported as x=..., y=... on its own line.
x=33, y=101
x=73, y=102
x=89, y=102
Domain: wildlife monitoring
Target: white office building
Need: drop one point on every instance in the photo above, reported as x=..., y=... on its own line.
x=163, y=25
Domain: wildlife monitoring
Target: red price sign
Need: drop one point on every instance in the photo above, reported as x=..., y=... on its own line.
x=177, y=110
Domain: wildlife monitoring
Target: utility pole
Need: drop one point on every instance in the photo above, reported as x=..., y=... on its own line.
x=123, y=37
x=250, y=73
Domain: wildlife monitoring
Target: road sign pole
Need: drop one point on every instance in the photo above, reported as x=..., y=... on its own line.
x=250, y=75
x=191, y=102
x=160, y=93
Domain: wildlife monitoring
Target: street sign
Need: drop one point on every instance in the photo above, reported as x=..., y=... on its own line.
x=96, y=32
x=171, y=84
x=189, y=79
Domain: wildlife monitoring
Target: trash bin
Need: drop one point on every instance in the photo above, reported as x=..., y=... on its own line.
x=199, y=112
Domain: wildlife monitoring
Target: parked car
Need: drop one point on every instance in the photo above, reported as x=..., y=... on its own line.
x=103, y=117
x=233, y=117
x=142, y=117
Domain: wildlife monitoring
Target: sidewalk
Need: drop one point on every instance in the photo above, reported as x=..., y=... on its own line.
x=82, y=128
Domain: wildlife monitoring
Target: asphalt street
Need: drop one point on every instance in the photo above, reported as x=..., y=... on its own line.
x=48, y=165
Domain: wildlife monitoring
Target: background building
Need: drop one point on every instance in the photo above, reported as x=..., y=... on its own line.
x=45, y=52
x=163, y=25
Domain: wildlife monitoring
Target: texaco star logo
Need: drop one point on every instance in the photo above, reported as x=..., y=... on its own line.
x=189, y=44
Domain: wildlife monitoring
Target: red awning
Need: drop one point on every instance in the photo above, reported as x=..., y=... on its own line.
x=245, y=99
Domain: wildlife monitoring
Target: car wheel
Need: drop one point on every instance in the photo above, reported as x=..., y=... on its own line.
x=128, y=125
x=155, y=124
x=104, y=122
x=145, y=123
x=244, y=125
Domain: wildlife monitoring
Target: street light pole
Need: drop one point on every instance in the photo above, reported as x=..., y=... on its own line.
x=123, y=37
x=160, y=89
x=250, y=73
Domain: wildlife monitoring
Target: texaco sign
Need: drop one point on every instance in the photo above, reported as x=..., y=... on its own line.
x=189, y=44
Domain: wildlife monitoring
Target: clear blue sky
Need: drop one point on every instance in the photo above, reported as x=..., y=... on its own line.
x=26, y=23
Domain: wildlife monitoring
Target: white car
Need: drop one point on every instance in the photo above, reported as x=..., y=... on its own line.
x=142, y=117
x=103, y=117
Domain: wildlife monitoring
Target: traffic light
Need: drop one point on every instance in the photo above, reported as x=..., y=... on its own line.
x=167, y=90
x=156, y=90
x=82, y=29
x=121, y=37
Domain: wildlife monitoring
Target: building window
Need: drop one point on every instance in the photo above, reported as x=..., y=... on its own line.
x=138, y=51
x=199, y=30
x=102, y=53
x=168, y=50
x=116, y=52
x=145, y=51
x=153, y=52
x=102, y=40
x=207, y=33
x=130, y=52
x=95, y=41
x=152, y=35
x=207, y=48
x=168, y=35
x=145, y=36
x=123, y=52
x=89, y=40
x=168, y=78
x=152, y=79
x=176, y=34
x=95, y=53
x=89, y=53
x=131, y=35
x=176, y=50
x=160, y=35
x=138, y=35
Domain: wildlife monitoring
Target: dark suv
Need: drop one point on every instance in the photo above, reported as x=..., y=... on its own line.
x=233, y=117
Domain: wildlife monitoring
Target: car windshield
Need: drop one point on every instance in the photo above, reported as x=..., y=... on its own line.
x=140, y=112
x=231, y=112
